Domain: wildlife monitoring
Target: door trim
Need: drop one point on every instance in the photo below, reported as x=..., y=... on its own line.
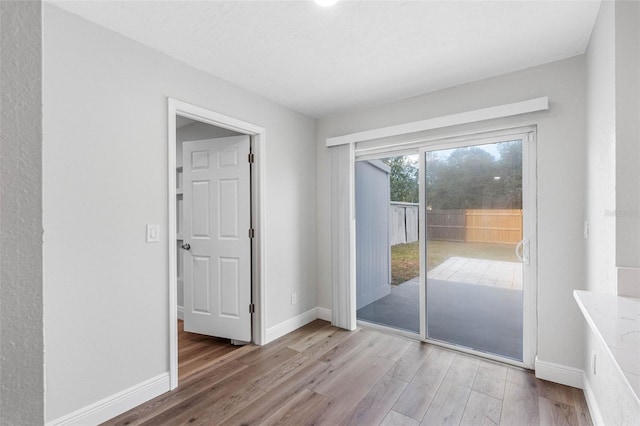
x=258, y=141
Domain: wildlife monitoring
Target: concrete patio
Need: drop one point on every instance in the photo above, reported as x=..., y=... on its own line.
x=473, y=303
x=491, y=273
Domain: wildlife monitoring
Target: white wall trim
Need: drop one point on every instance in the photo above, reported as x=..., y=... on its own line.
x=559, y=373
x=258, y=138
x=181, y=312
x=500, y=111
x=116, y=404
x=296, y=322
x=592, y=403
x=324, y=314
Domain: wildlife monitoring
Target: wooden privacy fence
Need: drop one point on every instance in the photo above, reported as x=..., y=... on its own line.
x=446, y=225
x=499, y=226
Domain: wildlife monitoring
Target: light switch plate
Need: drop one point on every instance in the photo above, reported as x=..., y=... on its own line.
x=153, y=233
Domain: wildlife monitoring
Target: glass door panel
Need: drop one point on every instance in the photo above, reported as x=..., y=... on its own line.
x=474, y=224
x=387, y=243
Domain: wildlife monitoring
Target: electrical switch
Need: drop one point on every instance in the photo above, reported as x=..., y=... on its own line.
x=153, y=233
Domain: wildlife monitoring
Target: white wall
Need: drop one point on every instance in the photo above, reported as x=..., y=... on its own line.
x=627, y=66
x=601, y=153
x=21, y=339
x=613, y=139
x=613, y=175
x=104, y=169
x=561, y=170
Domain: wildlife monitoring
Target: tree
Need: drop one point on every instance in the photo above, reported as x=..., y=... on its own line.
x=472, y=178
x=403, y=178
x=509, y=168
x=462, y=178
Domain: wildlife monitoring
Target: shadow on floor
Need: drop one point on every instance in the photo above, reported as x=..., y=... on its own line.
x=487, y=319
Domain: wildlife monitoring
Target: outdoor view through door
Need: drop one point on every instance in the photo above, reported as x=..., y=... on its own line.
x=472, y=213
x=474, y=293
x=387, y=247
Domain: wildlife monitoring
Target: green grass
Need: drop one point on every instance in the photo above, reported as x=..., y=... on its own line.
x=405, y=258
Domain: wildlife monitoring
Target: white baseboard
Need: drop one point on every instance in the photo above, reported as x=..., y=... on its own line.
x=117, y=404
x=181, y=312
x=594, y=410
x=324, y=314
x=296, y=322
x=559, y=373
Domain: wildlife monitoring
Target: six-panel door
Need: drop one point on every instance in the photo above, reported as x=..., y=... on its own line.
x=217, y=266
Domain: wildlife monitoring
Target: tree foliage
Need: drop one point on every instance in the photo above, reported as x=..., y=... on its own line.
x=403, y=179
x=462, y=178
x=472, y=178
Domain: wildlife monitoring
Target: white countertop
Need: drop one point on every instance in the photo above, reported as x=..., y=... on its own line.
x=616, y=320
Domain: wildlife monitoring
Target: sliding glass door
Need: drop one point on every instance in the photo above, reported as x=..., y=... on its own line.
x=475, y=248
x=444, y=247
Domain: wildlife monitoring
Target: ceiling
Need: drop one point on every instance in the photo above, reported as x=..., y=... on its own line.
x=324, y=61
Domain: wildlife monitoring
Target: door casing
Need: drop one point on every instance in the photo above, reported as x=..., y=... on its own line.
x=258, y=141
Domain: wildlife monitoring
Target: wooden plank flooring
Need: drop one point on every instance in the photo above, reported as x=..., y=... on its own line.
x=322, y=375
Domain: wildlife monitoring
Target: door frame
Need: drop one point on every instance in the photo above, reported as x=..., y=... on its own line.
x=529, y=165
x=258, y=141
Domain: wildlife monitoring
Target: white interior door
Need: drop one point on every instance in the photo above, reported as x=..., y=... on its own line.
x=217, y=247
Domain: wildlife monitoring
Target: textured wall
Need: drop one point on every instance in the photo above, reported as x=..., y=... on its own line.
x=21, y=337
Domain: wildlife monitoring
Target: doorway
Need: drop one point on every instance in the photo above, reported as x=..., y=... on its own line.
x=224, y=140
x=214, y=215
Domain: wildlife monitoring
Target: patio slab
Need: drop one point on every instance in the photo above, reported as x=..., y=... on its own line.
x=400, y=309
x=493, y=273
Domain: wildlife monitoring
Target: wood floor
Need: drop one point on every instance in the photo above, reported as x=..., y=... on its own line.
x=196, y=352
x=322, y=375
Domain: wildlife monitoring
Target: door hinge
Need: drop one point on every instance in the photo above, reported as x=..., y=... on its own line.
x=251, y=157
x=252, y=232
x=252, y=308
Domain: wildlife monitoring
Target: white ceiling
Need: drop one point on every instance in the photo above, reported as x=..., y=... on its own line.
x=323, y=61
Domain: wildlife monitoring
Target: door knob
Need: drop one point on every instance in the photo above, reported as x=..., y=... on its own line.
x=186, y=246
